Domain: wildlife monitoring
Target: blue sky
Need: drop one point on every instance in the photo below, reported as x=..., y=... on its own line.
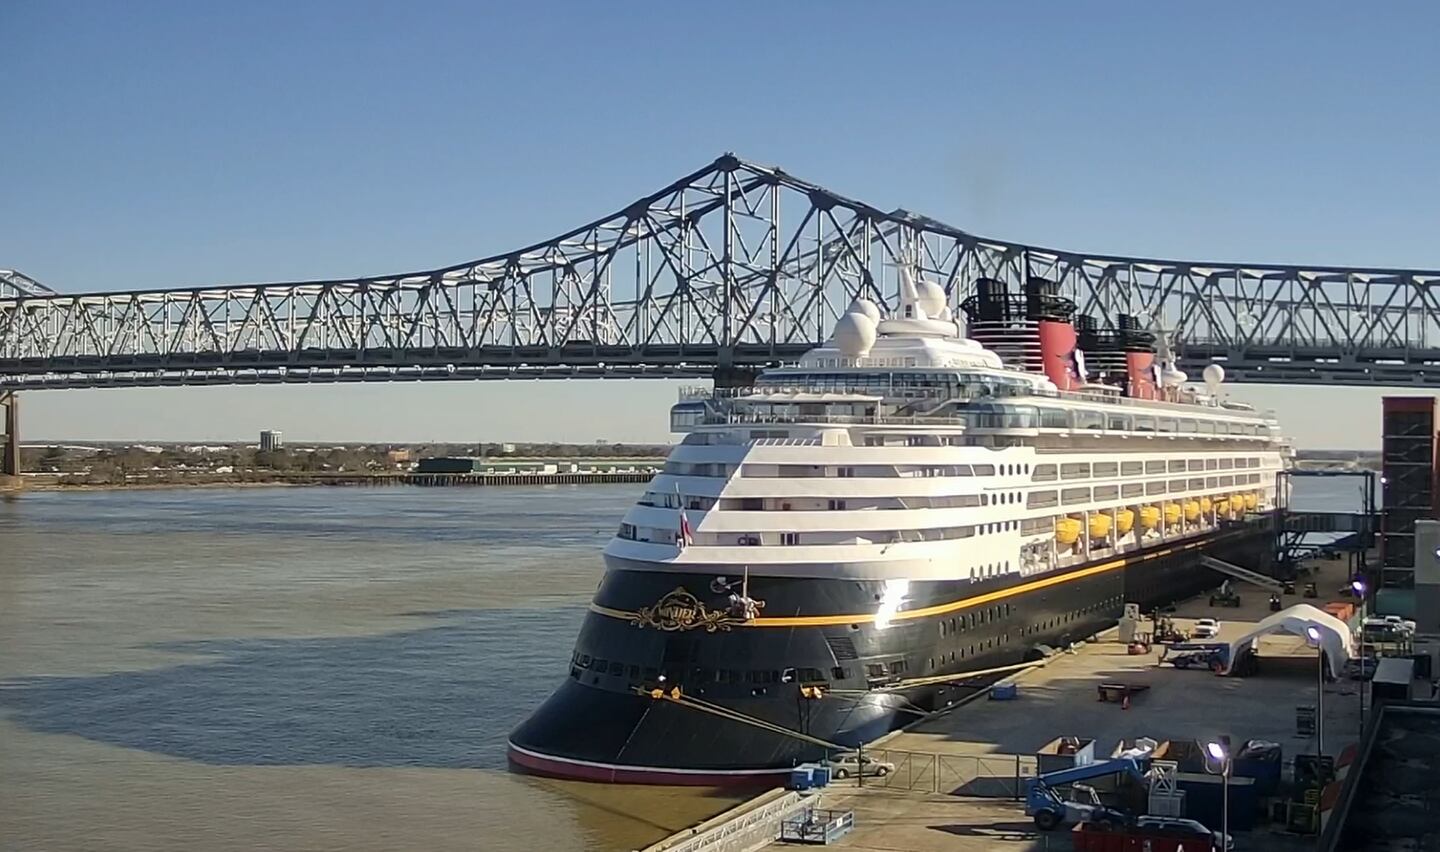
x=162, y=143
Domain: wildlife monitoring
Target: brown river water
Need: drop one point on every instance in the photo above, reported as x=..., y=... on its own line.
x=300, y=668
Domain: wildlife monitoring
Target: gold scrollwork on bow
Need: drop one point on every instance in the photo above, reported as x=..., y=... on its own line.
x=680, y=610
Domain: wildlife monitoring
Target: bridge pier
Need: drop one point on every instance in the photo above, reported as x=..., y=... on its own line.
x=10, y=440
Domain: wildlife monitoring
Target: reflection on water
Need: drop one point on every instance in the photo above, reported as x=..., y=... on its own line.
x=299, y=669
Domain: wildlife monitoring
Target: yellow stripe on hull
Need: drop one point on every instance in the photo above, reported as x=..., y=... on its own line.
x=938, y=609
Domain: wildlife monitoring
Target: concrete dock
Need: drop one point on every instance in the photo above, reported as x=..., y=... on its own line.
x=956, y=774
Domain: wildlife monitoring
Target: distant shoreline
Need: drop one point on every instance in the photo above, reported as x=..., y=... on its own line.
x=384, y=480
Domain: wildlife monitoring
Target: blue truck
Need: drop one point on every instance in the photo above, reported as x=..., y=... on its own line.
x=1214, y=656
x=1050, y=810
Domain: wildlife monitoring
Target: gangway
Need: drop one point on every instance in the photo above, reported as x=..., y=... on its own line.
x=1253, y=577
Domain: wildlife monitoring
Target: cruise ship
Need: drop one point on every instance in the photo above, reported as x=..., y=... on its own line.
x=840, y=546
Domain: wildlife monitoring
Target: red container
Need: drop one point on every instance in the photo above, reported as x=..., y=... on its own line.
x=1342, y=610
x=1088, y=839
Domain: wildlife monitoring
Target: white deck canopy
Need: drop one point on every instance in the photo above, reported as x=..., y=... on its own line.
x=1335, y=636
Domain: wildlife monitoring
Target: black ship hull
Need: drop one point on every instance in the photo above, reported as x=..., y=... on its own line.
x=817, y=668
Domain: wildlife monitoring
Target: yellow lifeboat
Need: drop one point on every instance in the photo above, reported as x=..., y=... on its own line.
x=1067, y=530
x=1222, y=506
x=1192, y=510
x=1149, y=517
x=1124, y=521
x=1251, y=500
x=1172, y=514
x=1237, y=504
x=1099, y=526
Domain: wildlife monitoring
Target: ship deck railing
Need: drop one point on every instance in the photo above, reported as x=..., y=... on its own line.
x=979, y=393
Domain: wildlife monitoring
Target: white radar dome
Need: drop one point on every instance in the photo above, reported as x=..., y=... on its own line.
x=1213, y=375
x=932, y=298
x=866, y=307
x=855, y=334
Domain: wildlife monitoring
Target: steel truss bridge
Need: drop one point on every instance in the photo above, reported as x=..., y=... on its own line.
x=728, y=269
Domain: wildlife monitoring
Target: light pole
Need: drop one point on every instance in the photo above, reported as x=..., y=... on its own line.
x=1358, y=587
x=1221, y=755
x=1314, y=634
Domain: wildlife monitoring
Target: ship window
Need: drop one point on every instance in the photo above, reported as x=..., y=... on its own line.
x=981, y=470
x=1075, y=470
x=1212, y=481
x=1119, y=423
x=1071, y=496
x=585, y=661
x=1227, y=464
x=1132, y=489
x=839, y=673
x=1132, y=468
x=1044, y=473
x=875, y=670
x=1155, y=488
x=1197, y=464
x=790, y=538
x=897, y=667
x=1177, y=485
x=836, y=505
x=1107, y=492
x=1177, y=465
x=1167, y=424
x=1155, y=466
x=1054, y=418
x=599, y=665
x=1197, y=483
x=1105, y=469
x=617, y=669
x=1144, y=424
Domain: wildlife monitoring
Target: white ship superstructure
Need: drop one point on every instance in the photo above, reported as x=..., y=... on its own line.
x=903, y=450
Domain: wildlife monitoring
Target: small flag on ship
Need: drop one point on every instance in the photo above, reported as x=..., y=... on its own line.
x=684, y=538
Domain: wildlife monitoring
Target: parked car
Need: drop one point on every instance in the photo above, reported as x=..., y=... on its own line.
x=1206, y=628
x=1182, y=827
x=847, y=765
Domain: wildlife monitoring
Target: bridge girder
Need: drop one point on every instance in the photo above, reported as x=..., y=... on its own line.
x=734, y=265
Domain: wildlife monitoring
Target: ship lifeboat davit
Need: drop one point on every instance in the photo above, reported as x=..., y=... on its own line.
x=1124, y=521
x=1172, y=513
x=1192, y=510
x=1067, y=531
x=1149, y=517
x=1099, y=526
x=1251, y=501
